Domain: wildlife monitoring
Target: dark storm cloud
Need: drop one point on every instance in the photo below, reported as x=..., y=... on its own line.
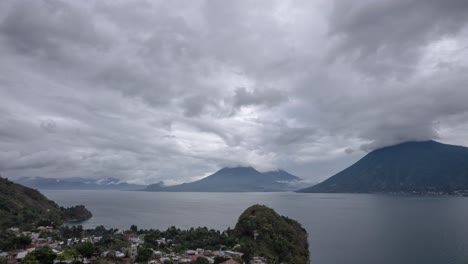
x=153, y=90
x=51, y=30
x=389, y=36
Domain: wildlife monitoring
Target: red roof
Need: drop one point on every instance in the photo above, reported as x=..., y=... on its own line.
x=194, y=257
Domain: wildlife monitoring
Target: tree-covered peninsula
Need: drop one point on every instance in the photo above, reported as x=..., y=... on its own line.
x=26, y=208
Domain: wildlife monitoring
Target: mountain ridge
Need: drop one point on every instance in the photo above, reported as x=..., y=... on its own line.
x=409, y=167
x=77, y=183
x=235, y=179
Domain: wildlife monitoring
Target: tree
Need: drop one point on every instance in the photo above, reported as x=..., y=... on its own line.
x=30, y=259
x=68, y=254
x=144, y=254
x=246, y=248
x=218, y=259
x=86, y=249
x=21, y=241
x=151, y=239
x=9, y=241
x=201, y=260
x=134, y=228
x=44, y=255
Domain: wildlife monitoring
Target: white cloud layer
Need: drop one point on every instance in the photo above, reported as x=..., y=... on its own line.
x=172, y=90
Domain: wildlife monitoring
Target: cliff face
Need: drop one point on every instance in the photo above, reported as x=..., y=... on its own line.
x=262, y=232
x=24, y=207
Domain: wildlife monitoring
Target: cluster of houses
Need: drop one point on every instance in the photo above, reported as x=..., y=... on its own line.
x=124, y=255
x=190, y=256
x=16, y=256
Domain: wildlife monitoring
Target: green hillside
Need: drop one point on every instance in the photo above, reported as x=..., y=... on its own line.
x=26, y=208
x=262, y=232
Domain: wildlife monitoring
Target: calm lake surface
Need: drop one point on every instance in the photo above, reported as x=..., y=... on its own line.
x=343, y=228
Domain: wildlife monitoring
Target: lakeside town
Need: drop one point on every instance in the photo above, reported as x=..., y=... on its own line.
x=72, y=244
x=35, y=230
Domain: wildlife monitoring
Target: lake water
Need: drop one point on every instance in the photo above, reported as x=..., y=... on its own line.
x=342, y=228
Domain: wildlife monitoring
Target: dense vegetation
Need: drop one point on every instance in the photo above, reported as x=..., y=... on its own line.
x=9, y=241
x=27, y=208
x=412, y=167
x=77, y=213
x=24, y=207
x=259, y=232
x=180, y=240
x=262, y=232
x=41, y=255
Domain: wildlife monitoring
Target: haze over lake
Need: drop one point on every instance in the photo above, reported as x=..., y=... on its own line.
x=343, y=228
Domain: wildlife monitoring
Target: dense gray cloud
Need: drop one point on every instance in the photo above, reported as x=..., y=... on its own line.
x=390, y=36
x=173, y=90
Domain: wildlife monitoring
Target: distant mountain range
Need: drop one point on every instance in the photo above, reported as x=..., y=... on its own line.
x=239, y=179
x=412, y=167
x=77, y=184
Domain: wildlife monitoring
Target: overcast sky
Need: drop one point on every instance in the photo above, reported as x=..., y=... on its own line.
x=174, y=90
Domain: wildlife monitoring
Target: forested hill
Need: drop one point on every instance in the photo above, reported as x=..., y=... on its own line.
x=412, y=167
x=24, y=207
x=262, y=232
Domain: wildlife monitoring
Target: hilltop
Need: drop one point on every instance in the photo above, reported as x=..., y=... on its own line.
x=24, y=207
x=262, y=232
x=238, y=179
x=411, y=167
